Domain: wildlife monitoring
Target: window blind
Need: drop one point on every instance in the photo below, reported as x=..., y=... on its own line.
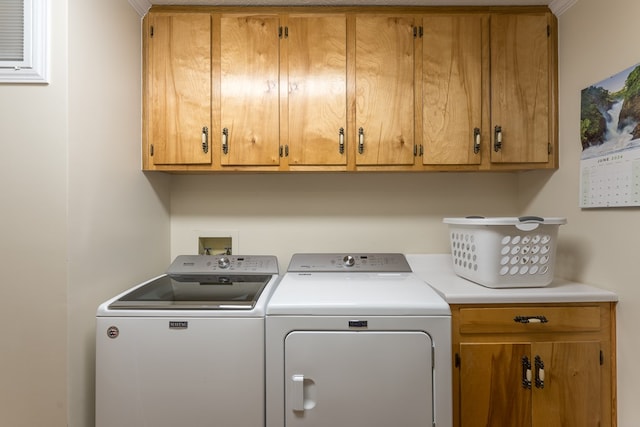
x=12, y=30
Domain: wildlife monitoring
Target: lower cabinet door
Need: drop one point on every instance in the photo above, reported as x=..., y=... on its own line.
x=547, y=384
x=492, y=393
x=358, y=379
x=570, y=393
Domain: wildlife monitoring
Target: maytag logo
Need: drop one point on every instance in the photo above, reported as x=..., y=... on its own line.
x=178, y=324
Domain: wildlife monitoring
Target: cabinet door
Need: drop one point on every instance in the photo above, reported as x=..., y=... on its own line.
x=179, y=88
x=249, y=90
x=565, y=384
x=384, y=90
x=317, y=102
x=491, y=389
x=570, y=395
x=520, y=83
x=452, y=88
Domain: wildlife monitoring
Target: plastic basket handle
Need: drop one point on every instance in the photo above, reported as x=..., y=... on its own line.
x=529, y=223
x=530, y=218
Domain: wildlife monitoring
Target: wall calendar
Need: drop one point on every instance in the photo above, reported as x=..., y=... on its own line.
x=610, y=137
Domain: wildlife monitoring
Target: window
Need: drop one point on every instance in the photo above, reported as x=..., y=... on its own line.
x=24, y=36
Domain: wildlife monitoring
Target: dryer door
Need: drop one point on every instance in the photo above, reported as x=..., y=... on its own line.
x=358, y=379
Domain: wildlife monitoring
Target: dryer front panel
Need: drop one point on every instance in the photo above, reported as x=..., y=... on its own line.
x=358, y=379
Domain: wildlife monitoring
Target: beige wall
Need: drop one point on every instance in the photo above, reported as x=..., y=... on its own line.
x=598, y=246
x=284, y=214
x=79, y=221
x=33, y=226
x=118, y=217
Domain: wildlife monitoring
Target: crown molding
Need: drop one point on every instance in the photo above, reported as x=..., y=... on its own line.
x=141, y=6
x=558, y=7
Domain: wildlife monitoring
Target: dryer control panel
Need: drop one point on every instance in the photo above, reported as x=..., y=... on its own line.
x=356, y=262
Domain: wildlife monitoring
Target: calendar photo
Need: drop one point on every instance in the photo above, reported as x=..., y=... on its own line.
x=610, y=138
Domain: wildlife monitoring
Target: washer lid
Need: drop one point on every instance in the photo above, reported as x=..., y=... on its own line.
x=355, y=294
x=218, y=292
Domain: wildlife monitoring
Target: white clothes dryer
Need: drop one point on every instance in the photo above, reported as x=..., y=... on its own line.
x=186, y=348
x=357, y=341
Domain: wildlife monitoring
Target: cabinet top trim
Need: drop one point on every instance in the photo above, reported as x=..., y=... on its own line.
x=349, y=9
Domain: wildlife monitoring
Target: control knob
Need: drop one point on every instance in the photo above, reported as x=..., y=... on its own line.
x=349, y=261
x=224, y=262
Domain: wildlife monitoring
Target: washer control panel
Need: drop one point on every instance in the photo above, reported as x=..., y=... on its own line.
x=356, y=262
x=193, y=265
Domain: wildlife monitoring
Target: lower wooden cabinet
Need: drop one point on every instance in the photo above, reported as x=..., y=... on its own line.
x=534, y=365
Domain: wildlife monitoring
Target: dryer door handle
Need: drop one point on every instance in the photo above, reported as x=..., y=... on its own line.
x=296, y=393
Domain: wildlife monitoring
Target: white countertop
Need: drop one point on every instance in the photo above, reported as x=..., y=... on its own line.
x=437, y=271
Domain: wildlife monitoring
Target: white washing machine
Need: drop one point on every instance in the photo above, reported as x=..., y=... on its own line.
x=357, y=341
x=186, y=348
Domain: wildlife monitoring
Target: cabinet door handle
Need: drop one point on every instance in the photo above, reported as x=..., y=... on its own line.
x=539, y=372
x=341, y=141
x=225, y=140
x=205, y=139
x=476, y=141
x=530, y=319
x=526, y=372
x=361, y=140
x=497, y=138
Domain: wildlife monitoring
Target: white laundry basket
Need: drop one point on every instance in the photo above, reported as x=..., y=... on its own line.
x=504, y=252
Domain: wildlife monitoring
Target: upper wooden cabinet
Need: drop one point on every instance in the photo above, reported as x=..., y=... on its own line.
x=452, y=89
x=384, y=90
x=349, y=89
x=488, y=95
x=315, y=60
x=178, y=89
x=520, y=88
x=249, y=89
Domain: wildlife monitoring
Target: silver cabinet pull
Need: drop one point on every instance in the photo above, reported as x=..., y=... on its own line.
x=205, y=139
x=225, y=140
x=341, y=141
x=361, y=140
x=497, y=138
x=476, y=140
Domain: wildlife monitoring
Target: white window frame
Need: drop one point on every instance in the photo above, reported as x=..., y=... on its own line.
x=34, y=68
